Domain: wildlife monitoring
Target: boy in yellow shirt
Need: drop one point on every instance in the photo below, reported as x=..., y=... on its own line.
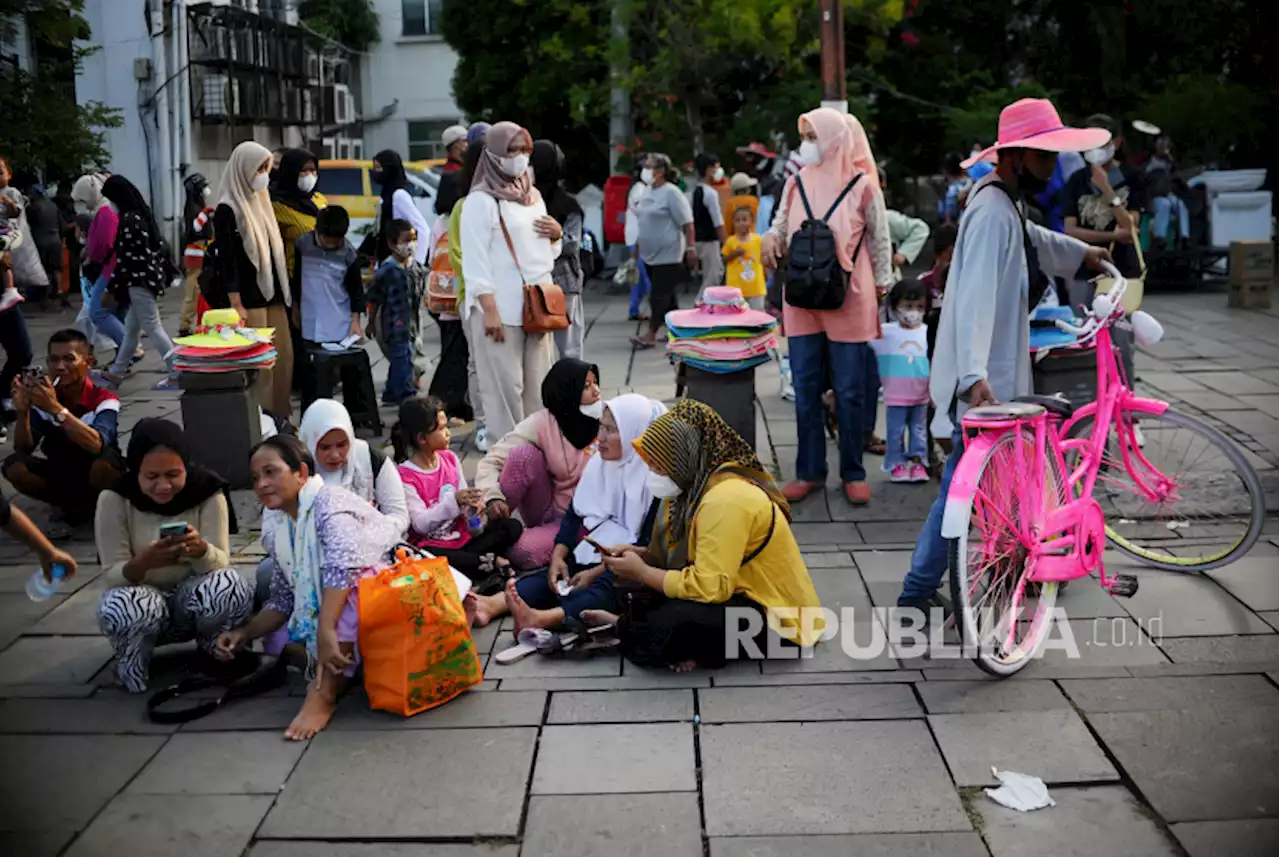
x=742, y=258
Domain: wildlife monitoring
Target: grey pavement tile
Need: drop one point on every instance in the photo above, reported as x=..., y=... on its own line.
x=1255, y=648
x=542, y=666
x=47, y=691
x=1171, y=382
x=220, y=763
x=381, y=849
x=1212, y=401
x=117, y=714
x=840, y=559
x=1233, y=383
x=640, y=680
x=1267, y=404
x=825, y=534
x=485, y=638
x=1085, y=822
x=758, y=779
x=1052, y=745
x=642, y=757
x=858, y=845
x=165, y=825
x=59, y=782
x=53, y=660
x=1253, y=579
x=812, y=509
x=77, y=616
x=882, y=566
x=1228, y=838
x=643, y=825
x=1199, y=669
x=795, y=678
x=1271, y=617
x=622, y=706
x=13, y=578
x=406, y=784
x=466, y=710
x=1199, y=764
x=807, y=703
x=1173, y=692
x=861, y=643
x=1186, y=605
x=34, y=844
x=1085, y=599
x=18, y=614
x=273, y=713
x=963, y=697
x=1097, y=642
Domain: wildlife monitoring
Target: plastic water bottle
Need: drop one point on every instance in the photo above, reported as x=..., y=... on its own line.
x=39, y=589
x=475, y=520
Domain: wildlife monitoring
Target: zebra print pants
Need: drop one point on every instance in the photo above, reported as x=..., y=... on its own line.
x=136, y=619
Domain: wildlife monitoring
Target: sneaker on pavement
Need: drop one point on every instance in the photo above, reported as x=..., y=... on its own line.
x=481, y=439
x=857, y=493
x=798, y=489
x=10, y=298
x=919, y=473
x=900, y=473
x=788, y=393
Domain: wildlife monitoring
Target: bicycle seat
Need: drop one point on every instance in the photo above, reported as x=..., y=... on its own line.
x=1007, y=411
x=1053, y=404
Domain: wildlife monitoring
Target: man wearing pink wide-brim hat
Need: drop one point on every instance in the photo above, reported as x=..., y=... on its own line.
x=997, y=275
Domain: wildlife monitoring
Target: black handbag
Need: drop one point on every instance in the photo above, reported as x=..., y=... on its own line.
x=258, y=674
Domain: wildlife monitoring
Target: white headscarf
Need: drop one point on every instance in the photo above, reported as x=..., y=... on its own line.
x=615, y=490
x=255, y=218
x=322, y=417
x=87, y=190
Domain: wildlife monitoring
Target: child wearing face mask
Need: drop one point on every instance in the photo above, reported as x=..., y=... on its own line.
x=391, y=309
x=902, y=354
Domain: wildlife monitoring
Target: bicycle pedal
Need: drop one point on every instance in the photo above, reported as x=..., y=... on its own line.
x=1124, y=586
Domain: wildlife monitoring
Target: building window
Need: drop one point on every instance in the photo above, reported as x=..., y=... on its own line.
x=424, y=138
x=420, y=17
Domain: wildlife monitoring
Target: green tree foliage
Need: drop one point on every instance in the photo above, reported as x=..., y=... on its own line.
x=354, y=23
x=42, y=128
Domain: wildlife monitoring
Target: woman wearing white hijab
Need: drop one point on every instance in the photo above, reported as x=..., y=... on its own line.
x=612, y=504
x=251, y=264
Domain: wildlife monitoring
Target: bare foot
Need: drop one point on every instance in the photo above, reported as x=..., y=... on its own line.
x=592, y=618
x=488, y=608
x=469, y=607
x=526, y=616
x=317, y=708
x=684, y=666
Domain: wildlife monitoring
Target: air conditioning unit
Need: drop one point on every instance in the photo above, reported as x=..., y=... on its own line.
x=344, y=104
x=215, y=101
x=329, y=148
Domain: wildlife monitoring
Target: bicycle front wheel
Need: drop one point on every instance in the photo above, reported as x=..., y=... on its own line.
x=1003, y=617
x=1177, y=493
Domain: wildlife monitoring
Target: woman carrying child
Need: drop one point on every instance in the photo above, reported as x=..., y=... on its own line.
x=444, y=513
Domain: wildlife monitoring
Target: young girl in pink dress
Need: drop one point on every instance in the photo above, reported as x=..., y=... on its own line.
x=445, y=515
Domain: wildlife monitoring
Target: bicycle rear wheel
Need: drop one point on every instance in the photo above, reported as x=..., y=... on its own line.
x=1003, y=617
x=1202, y=506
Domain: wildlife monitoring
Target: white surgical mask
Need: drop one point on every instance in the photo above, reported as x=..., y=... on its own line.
x=646, y=175
x=404, y=251
x=911, y=317
x=81, y=208
x=662, y=487
x=595, y=410
x=307, y=183
x=810, y=154
x=207, y=193
x=718, y=175
x=259, y=181
x=516, y=166
x=1100, y=156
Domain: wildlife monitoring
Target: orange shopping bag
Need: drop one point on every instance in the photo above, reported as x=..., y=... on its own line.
x=415, y=638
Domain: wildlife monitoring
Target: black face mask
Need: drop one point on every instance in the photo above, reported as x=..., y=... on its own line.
x=377, y=175
x=1029, y=184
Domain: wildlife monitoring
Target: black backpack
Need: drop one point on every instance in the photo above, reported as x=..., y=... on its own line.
x=815, y=279
x=210, y=279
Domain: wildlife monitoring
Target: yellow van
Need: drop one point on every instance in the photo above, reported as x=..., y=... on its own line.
x=348, y=184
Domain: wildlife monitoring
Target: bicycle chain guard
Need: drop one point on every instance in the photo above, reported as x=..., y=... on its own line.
x=1072, y=542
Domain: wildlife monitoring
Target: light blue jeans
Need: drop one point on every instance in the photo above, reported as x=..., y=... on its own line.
x=906, y=434
x=1163, y=206
x=144, y=314
x=105, y=320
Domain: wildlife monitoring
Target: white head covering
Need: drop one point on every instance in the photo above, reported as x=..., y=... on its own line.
x=356, y=475
x=615, y=490
x=255, y=218
x=88, y=190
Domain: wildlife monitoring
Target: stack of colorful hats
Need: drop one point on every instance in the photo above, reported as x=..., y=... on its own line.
x=222, y=344
x=722, y=334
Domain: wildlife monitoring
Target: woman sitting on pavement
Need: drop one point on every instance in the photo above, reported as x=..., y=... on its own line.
x=165, y=588
x=535, y=468
x=612, y=505
x=321, y=539
x=442, y=509
x=722, y=540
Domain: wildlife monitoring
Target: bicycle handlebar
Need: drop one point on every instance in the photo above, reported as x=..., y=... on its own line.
x=1103, y=305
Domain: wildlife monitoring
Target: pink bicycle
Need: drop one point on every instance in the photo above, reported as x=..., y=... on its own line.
x=1042, y=486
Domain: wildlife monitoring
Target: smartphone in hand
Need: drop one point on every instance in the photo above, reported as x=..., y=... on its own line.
x=173, y=530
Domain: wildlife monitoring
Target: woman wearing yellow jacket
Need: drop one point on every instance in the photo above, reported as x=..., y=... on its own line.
x=722, y=539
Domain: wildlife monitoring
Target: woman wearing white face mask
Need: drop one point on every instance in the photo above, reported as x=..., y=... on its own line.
x=664, y=241
x=535, y=468
x=296, y=204
x=251, y=265
x=508, y=240
x=722, y=539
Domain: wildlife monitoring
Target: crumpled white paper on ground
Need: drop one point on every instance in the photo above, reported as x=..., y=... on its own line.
x=1020, y=791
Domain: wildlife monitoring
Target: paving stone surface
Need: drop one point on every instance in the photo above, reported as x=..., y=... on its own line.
x=622, y=706
x=1256, y=648
x=1198, y=765
x=34, y=844
x=861, y=845
x=53, y=660
x=468, y=710
x=759, y=779
x=168, y=825
x=381, y=849
x=1084, y=822
x=962, y=697
x=1252, y=579
x=1188, y=605
x=1052, y=745
x=641, y=757
x=1228, y=838
x=408, y=784
x=631, y=825
x=1173, y=692
x=77, y=615
x=117, y=714
x=220, y=763
x=807, y=703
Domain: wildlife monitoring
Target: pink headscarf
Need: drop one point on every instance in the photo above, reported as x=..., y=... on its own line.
x=845, y=153
x=489, y=175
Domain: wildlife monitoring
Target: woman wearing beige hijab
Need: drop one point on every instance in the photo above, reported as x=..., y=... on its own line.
x=251, y=264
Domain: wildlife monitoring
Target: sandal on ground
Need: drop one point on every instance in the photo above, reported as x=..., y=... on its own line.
x=874, y=445
x=642, y=344
x=528, y=641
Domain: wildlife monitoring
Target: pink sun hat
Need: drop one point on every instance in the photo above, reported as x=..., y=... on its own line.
x=722, y=306
x=1033, y=123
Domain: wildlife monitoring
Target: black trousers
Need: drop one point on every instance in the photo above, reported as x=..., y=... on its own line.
x=663, y=282
x=16, y=343
x=660, y=631
x=497, y=538
x=449, y=383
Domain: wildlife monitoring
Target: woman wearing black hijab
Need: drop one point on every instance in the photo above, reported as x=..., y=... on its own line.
x=141, y=274
x=296, y=203
x=536, y=467
x=166, y=586
x=392, y=182
x=547, y=163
